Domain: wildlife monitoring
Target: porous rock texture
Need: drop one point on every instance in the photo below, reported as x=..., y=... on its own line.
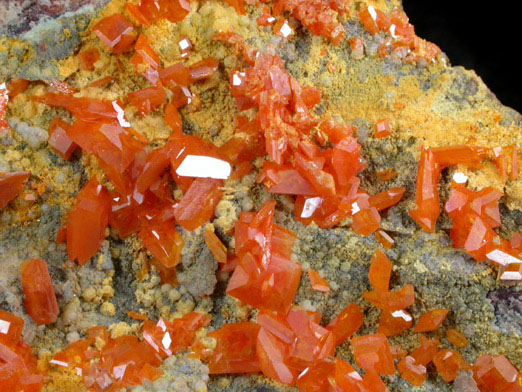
x=433, y=104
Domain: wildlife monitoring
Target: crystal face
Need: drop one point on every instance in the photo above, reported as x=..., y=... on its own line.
x=39, y=297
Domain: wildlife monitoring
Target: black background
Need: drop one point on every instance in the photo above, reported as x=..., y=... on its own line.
x=487, y=39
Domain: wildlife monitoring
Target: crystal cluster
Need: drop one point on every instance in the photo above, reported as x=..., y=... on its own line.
x=18, y=372
x=323, y=180
x=109, y=364
x=404, y=41
x=474, y=213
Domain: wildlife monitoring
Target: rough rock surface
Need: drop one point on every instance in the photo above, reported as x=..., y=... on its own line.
x=429, y=103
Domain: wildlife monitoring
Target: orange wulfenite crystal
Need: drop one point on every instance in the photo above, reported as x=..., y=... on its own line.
x=380, y=271
x=448, y=363
x=175, y=75
x=346, y=323
x=387, y=174
x=116, y=32
x=145, y=60
x=382, y=129
x=283, y=29
x=235, y=351
x=198, y=203
x=318, y=17
x=15, y=87
x=87, y=58
x=384, y=239
x=217, y=248
x=169, y=337
x=391, y=324
x=163, y=242
x=431, y=320
x=329, y=375
x=17, y=363
x=373, y=352
x=87, y=221
x=10, y=328
x=412, y=371
x=318, y=283
x=203, y=69
x=391, y=300
x=427, y=194
x=426, y=351
x=148, y=99
x=265, y=277
x=289, y=344
x=40, y=299
x=58, y=139
x=456, y=338
x=386, y=199
x=496, y=374
x=11, y=184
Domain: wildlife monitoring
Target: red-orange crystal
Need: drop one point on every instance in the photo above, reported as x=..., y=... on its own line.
x=448, y=363
x=496, y=374
x=163, y=242
x=391, y=324
x=116, y=32
x=235, y=351
x=456, y=338
x=380, y=271
x=412, y=371
x=427, y=195
x=10, y=328
x=87, y=221
x=382, y=129
x=217, y=248
x=391, y=300
x=11, y=185
x=198, y=203
x=40, y=299
x=373, y=352
x=58, y=139
x=346, y=323
x=431, y=320
x=318, y=283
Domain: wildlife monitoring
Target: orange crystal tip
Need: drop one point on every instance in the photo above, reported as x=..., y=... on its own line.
x=448, y=363
x=346, y=323
x=384, y=239
x=87, y=59
x=412, y=371
x=163, y=242
x=391, y=301
x=431, y=320
x=456, y=338
x=11, y=185
x=235, y=350
x=373, y=352
x=10, y=328
x=116, y=32
x=495, y=373
x=87, y=221
x=392, y=324
x=40, y=299
x=318, y=283
x=58, y=139
x=380, y=271
x=382, y=129
x=217, y=248
x=203, y=69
